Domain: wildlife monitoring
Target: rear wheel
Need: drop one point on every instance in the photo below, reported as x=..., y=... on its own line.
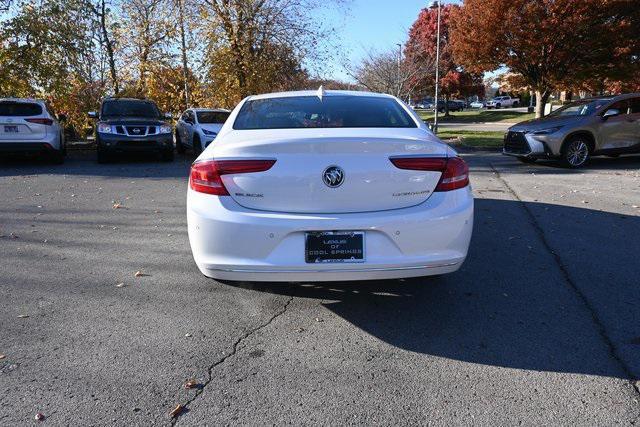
x=576, y=152
x=57, y=157
x=197, y=145
x=498, y=106
x=179, y=146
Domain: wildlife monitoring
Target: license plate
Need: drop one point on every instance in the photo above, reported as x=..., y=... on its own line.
x=334, y=246
x=11, y=129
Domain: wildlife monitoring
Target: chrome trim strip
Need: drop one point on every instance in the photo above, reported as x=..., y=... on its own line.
x=335, y=270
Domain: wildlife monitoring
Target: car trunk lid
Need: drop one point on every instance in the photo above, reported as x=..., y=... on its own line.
x=330, y=170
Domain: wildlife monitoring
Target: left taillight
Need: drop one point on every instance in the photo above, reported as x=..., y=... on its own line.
x=47, y=122
x=206, y=176
x=455, y=172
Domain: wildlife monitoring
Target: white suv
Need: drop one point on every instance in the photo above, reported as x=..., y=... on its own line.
x=30, y=126
x=198, y=127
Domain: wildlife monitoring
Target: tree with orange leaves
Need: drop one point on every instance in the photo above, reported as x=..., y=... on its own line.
x=553, y=44
x=455, y=81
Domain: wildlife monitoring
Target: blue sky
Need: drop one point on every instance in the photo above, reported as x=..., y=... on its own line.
x=371, y=24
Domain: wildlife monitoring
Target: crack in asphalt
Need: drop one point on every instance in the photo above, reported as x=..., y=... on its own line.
x=234, y=350
x=613, y=352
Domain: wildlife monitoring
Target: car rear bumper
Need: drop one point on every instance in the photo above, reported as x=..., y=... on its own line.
x=124, y=144
x=230, y=242
x=48, y=144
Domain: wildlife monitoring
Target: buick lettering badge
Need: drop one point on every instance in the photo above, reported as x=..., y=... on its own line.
x=333, y=176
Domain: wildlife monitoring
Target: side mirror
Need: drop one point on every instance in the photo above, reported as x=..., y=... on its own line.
x=93, y=115
x=430, y=126
x=62, y=117
x=610, y=113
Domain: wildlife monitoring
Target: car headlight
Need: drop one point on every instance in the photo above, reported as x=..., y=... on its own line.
x=165, y=129
x=548, y=131
x=104, y=128
x=208, y=132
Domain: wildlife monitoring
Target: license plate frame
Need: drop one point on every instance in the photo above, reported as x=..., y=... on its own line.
x=321, y=247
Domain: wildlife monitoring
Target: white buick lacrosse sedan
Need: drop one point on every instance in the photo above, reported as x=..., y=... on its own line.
x=327, y=186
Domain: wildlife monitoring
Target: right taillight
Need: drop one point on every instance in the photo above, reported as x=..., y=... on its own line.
x=455, y=172
x=206, y=176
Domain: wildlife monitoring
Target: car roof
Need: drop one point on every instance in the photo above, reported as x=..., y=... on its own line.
x=212, y=110
x=623, y=96
x=315, y=92
x=26, y=100
x=128, y=99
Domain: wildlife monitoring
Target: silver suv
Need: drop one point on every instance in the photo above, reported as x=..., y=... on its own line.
x=30, y=126
x=589, y=127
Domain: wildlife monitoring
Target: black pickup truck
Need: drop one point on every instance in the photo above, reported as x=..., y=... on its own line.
x=127, y=125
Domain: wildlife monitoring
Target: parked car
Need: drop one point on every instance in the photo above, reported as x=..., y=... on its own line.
x=325, y=186
x=464, y=104
x=503, y=102
x=575, y=132
x=477, y=104
x=198, y=127
x=31, y=126
x=128, y=125
x=452, y=106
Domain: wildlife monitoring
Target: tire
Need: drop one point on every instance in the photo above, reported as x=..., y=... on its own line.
x=197, y=145
x=57, y=157
x=179, y=147
x=527, y=160
x=576, y=152
x=515, y=105
x=167, y=156
x=498, y=106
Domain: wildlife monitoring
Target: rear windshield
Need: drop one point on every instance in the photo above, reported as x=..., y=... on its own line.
x=19, y=109
x=212, y=116
x=130, y=108
x=342, y=111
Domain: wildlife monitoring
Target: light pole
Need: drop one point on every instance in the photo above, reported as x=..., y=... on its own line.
x=436, y=4
x=399, y=88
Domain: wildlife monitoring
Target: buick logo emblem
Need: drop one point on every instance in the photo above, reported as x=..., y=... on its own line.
x=333, y=176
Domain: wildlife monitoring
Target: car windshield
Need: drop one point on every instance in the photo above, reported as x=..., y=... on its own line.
x=580, y=108
x=130, y=108
x=333, y=111
x=16, y=109
x=212, y=116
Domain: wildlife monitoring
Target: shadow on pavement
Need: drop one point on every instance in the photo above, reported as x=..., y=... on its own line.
x=510, y=304
x=595, y=164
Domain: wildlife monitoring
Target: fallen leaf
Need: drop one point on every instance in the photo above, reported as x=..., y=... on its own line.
x=319, y=319
x=39, y=416
x=188, y=335
x=120, y=285
x=2, y=356
x=176, y=411
x=191, y=384
x=117, y=205
x=140, y=274
x=22, y=316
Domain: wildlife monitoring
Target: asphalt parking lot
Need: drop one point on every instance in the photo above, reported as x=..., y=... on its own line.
x=540, y=326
